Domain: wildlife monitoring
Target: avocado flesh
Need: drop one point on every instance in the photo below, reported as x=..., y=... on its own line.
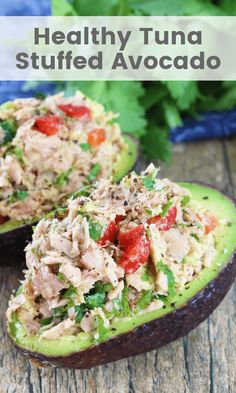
x=121, y=167
x=219, y=205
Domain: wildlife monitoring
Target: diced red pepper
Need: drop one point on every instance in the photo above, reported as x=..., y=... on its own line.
x=48, y=125
x=110, y=234
x=166, y=223
x=211, y=223
x=2, y=220
x=77, y=111
x=119, y=218
x=96, y=137
x=129, y=237
x=135, y=255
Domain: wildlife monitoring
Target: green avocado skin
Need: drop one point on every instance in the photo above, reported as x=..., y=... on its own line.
x=155, y=333
x=151, y=335
x=16, y=236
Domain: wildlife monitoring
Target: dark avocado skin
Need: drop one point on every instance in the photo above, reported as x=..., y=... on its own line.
x=151, y=335
x=13, y=243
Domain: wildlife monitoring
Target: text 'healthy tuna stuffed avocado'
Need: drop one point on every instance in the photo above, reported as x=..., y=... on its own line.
x=52, y=147
x=146, y=254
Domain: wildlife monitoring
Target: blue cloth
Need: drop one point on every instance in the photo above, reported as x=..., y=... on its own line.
x=209, y=125
x=25, y=7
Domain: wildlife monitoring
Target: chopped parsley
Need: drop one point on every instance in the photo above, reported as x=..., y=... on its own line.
x=170, y=277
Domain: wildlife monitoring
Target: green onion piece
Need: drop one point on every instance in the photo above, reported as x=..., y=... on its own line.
x=95, y=230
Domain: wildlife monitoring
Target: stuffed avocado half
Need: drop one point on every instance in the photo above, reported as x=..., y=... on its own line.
x=125, y=270
x=50, y=148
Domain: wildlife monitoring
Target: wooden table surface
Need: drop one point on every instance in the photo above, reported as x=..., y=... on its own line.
x=202, y=362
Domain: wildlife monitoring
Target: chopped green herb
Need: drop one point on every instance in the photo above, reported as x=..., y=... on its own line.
x=36, y=251
x=170, y=277
x=59, y=311
x=95, y=300
x=17, y=196
x=63, y=178
x=149, y=233
x=150, y=180
x=60, y=276
x=80, y=312
x=46, y=321
x=195, y=236
x=185, y=200
x=85, y=146
x=125, y=302
x=95, y=230
x=96, y=169
x=70, y=292
x=100, y=287
x=165, y=209
x=9, y=127
x=18, y=153
x=145, y=299
x=148, y=211
x=85, y=191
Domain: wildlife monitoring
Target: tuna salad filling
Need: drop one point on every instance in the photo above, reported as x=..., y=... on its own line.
x=50, y=148
x=119, y=252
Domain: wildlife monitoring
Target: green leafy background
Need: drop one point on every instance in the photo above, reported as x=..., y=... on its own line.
x=149, y=109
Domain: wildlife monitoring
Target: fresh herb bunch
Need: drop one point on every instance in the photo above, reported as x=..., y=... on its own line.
x=148, y=110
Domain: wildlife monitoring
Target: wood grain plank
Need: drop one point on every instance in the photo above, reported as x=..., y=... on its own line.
x=200, y=363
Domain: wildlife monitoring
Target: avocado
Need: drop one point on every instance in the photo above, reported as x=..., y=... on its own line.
x=183, y=310
x=14, y=235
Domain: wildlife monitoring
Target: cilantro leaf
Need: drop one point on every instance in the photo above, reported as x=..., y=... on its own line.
x=96, y=169
x=17, y=196
x=145, y=299
x=85, y=146
x=95, y=230
x=63, y=178
x=170, y=277
x=9, y=128
x=80, y=312
x=155, y=144
x=62, y=8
